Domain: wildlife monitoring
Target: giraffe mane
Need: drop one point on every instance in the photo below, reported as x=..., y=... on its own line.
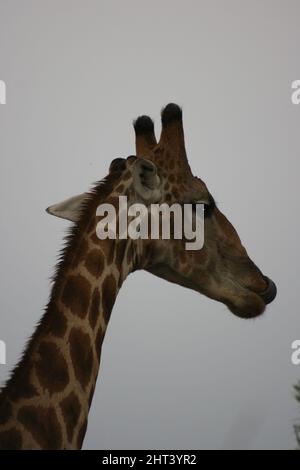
x=96, y=195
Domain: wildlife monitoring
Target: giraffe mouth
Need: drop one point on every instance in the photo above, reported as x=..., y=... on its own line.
x=246, y=304
x=256, y=302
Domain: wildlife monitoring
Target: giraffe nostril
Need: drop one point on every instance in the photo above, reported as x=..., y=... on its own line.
x=270, y=293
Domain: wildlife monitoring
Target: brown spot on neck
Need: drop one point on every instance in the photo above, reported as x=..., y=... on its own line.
x=43, y=424
x=80, y=253
x=51, y=368
x=108, y=249
x=70, y=407
x=5, y=410
x=56, y=323
x=76, y=295
x=94, y=262
x=81, y=355
x=109, y=292
x=10, y=440
x=120, y=253
x=99, y=341
x=95, y=308
x=81, y=434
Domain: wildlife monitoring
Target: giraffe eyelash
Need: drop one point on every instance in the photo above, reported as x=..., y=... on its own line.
x=208, y=207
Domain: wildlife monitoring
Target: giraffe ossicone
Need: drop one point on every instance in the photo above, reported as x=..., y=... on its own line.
x=45, y=403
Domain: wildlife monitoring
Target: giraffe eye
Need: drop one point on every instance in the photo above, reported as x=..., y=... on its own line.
x=208, y=208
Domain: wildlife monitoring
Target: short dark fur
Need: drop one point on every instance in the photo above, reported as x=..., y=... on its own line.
x=143, y=125
x=172, y=112
x=118, y=164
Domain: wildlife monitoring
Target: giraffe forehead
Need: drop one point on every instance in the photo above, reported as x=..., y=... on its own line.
x=178, y=183
x=175, y=162
x=182, y=187
x=174, y=169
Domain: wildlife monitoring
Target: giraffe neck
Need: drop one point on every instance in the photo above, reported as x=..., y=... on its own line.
x=46, y=402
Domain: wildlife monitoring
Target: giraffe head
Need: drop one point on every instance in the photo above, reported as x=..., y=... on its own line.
x=221, y=269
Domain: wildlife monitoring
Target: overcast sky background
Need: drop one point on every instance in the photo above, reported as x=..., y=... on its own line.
x=178, y=370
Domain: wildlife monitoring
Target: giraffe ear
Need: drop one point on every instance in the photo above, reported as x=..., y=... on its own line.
x=146, y=180
x=70, y=209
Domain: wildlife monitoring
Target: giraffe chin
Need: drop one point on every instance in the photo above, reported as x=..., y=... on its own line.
x=249, y=309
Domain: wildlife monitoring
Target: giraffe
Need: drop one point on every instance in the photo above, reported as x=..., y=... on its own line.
x=45, y=403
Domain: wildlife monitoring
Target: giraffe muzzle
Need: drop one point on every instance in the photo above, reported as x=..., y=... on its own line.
x=270, y=293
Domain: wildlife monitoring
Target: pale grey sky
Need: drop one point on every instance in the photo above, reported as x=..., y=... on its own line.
x=178, y=371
